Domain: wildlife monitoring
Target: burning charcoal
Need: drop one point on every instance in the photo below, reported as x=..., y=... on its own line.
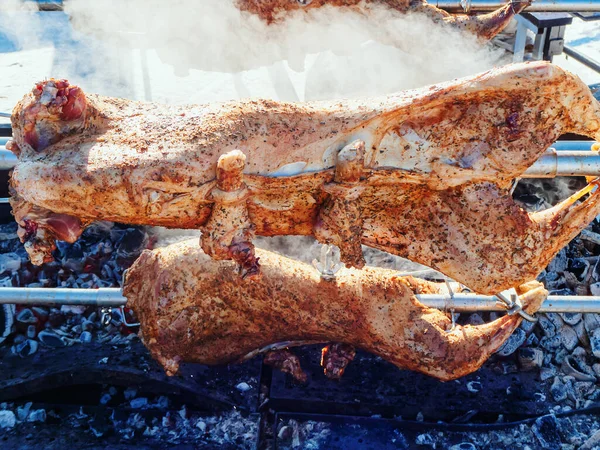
x=592, y=442
x=568, y=337
x=73, y=257
x=577, y=368
x=582, y=334
x=26, y=317
x=87, y=325
x=546, y=431
x=558, y=390
x=38, y=415
x=85, y=337
x=591, y=322
x=130, y=393
x=105, y=398
x=73, y=309
x=7, y=419
x=530, y=358
x=132, y=243
x=475, y=319
x=532, y=340
x=136, y=421
x=425, y=439
x=547, y=372
x=546, y=325
x=51, y=339
x=530, y=202
x=25, y=348
x=97, y=230
x=140, y=402
x=571, y=318
x=31, y=331
x=162, y=402
x=474, y=386
x=595, y=342
x=512, y=343
x=559, y=263
x=560, y=355
x=55, y=318
x=99, y=425
x=7, y=315
x=463, y=446
x=23, y=411
x=9, y=262
x=243, y=387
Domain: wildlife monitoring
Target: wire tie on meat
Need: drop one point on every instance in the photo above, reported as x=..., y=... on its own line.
x=329, y=263
x=466, y=5
x=124, y=319
x=511, y=299
x=451, y=301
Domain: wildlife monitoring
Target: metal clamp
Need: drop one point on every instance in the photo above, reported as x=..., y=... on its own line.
x=329, y=263
x=512, y=301
x=451, y=292
x=466, y=5
x=106, y=317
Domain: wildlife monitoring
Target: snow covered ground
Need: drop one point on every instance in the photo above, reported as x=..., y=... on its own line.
x=34, y=46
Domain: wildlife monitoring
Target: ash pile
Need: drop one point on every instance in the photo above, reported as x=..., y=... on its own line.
x=540, y=390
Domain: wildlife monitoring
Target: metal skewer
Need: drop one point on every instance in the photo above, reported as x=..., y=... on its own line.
x=460, y=6
x=459, y=302
x=564, y=158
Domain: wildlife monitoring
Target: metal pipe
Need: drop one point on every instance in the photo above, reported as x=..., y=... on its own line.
x=459, y=302
x=570, y=158
x=583, y=59
x=571, y=145
x=8, y=160
x=476, y=302
x=62, y=296
x=555, y=163
x=456, y=6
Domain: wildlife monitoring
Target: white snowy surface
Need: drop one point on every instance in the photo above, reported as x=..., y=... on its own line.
x=53, y=49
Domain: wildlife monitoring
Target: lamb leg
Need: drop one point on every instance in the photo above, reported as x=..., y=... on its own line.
x=193, y=308
x=484, y=26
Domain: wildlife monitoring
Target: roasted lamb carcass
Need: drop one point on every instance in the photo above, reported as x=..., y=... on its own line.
x=196, y=309
x=485, y=26
x=422, y=174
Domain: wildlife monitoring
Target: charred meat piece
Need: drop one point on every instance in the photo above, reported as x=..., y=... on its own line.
x=422, y=174
x=196, y=309
x=485, y=26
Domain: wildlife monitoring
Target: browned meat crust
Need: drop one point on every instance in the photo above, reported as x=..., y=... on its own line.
x=422, y=174
x=193, y=308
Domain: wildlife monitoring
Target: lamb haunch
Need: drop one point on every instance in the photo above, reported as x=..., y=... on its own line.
x=195, y=309
x=423, y=174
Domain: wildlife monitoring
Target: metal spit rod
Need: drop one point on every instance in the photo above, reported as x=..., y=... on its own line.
x=564, y=158
x=112, y=297
x=460, y=6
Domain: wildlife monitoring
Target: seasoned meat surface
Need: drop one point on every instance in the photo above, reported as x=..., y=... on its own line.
x=423, y=174
x=195, y=309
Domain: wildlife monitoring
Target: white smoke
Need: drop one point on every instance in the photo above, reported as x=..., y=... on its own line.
x=194, y=51
x=208, y=50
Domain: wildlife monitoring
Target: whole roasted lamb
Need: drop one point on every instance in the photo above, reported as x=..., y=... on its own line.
x=424, y=174
x=485, y=26
x=195, y=309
